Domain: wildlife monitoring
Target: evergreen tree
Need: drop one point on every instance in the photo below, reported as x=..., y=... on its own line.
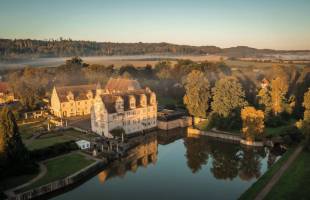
x=228, y=96
x=228, y=100
x=197, y=94
x=14, y=152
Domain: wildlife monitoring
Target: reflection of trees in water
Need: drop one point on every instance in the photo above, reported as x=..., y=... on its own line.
x=197, y=153
x=225, y=162
x=228, y=160
x=141, y=155
x=250, y=163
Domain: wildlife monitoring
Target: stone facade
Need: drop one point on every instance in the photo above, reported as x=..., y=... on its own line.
x=123, y=105
x=69, y=101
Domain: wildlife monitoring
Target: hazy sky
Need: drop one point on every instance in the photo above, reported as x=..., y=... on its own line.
x=279, y=24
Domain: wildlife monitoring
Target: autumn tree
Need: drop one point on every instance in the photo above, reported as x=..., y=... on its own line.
x=252, y=123
x=197, y=94
x=279, y=90
x=264, y=100
x=163, y=70
x=304, y=124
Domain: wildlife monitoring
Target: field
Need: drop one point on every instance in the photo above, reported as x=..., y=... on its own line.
x=61, y=167
x=136, y=60
x=294, y=184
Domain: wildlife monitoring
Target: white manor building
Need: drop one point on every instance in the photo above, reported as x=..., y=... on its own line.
x=123, y=104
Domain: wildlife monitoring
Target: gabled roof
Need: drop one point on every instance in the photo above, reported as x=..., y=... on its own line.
x=79, y=91
x=110, y=99
x=121, y=84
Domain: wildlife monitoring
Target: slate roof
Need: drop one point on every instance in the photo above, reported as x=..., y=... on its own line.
x=110, y=99
x=79, y=92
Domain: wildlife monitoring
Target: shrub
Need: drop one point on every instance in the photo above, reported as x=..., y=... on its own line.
x=54, y=150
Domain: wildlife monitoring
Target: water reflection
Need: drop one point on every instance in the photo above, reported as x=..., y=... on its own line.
x=228, y=160
x=140, y=156
x=179, y=167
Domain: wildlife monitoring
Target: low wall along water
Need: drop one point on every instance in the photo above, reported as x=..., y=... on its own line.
x=226, y=136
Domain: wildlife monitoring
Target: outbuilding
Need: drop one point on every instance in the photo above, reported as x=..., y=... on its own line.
x=83, y=144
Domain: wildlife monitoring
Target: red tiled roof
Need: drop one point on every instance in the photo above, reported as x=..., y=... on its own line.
x=4, y=87
x=121, y=84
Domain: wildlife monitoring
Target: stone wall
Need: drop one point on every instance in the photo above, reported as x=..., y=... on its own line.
x=177, y=123
x=192, y=132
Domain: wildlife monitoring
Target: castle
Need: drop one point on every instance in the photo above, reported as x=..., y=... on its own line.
x=124, y=105
x=121, y=104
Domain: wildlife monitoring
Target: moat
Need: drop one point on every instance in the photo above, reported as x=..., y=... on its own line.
x=173, y=166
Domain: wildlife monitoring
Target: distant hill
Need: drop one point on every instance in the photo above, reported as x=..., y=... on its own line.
x=26, y=48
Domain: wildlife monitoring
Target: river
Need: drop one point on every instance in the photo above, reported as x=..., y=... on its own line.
x=173, y=166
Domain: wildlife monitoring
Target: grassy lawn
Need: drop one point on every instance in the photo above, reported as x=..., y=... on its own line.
x=251, y=193
x=276, y=131
x=166, y=101
x=45, y=142
x=61, y=167
x=53, y=138
x=27, y=130
x=294, y=184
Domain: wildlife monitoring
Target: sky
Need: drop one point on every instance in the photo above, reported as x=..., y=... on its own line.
x=275, y=24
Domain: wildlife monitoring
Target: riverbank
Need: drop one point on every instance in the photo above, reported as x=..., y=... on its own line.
x=294, y=183
x=252, y=192
x=192, y=132
x=264, y=186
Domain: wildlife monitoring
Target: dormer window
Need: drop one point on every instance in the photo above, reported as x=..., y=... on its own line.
x=143, y=100
x=89, y=95
x=153, y=99
x=119, y=105
x=70, y=96
x=132, y=102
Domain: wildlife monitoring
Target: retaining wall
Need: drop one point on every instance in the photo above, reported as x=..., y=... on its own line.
x=226, y=136
x=59, y=184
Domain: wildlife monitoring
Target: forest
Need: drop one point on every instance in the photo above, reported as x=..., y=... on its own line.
x=16, y=49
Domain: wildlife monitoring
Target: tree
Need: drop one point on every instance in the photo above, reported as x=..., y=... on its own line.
x=228, y=96
x=265, y=101
x=279, y=90
x=197, y=94
x=304, y=124
x=13, y=151
x=253, y=122
x=163, y=70
x=75, y=61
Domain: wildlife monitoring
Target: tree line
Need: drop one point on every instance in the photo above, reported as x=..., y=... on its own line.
x=27, y=48
x=227, y=107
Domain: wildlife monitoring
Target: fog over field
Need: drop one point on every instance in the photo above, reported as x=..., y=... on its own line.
x=136, y=60
x=143, y=60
